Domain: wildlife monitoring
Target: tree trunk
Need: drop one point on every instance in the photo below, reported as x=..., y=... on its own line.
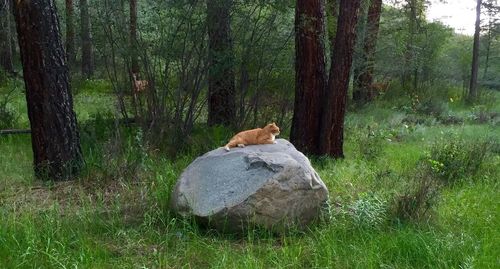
x=5, y=37
x=221, y=76
x=54, y=134
x=370, y=44
x=133, y=37
x=70, y=33
x=87, y=57
x=409, y=56
x=475, y=56
x=332, y=122
x=488, y=49
x=310, y=74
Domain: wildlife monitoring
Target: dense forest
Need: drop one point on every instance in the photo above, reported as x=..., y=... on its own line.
x=104, y=103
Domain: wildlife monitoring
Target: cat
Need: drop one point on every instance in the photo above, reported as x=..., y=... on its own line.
x=256, y=136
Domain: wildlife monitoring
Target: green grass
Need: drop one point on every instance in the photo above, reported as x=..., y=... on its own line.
x=116, y=214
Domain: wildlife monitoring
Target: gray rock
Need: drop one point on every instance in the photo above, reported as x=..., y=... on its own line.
x=270, y=186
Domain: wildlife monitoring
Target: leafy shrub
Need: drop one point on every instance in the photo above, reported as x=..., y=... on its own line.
x=450, y=119
x=8, y=116
x=369, y=144
x=452, y=159
x=481, y=114
x=432, y=107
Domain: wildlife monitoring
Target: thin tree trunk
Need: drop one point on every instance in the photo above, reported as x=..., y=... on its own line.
x=332, y=122
x=310, y=74
x=369, y=47
x=54, y=134
x=488, y=48
x=70, y=32
x=87, y=55
x=133, y=36
x=5, y=37
x=475, y=55
x=409, y=53
x=221, y=76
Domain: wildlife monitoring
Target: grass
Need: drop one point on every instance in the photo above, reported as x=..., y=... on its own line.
x=116, y=214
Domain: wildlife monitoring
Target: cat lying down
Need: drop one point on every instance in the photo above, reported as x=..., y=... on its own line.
x=257, y=136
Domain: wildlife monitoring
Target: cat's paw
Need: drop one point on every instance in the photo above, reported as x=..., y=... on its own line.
x=241, y=145
x=274, y=142
x=226, y=148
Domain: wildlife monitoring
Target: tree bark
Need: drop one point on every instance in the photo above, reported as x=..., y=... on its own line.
x=221, y=76
x=368, y=58
x=87, y=55
x=54, y=134
x=5, y=37
x=475, y=56
x=70, y=32
x=332, y=122
x=310, y=74
x=133, y=37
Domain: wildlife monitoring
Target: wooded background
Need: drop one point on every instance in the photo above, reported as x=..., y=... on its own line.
x=235, y=63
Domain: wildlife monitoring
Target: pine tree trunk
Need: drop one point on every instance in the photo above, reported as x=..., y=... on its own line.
x=310, y=74
x=332, y=122
x=5, y=37
x=370, y=44
x=475, y=56
x=221, y=76
x=70, y=32
x=87, y=57
x=54, y=134
x=133, y=36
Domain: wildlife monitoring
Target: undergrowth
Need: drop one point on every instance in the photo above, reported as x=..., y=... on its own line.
x=411, y=193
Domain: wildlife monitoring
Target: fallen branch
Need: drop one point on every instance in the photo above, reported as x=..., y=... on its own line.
x=15, y=131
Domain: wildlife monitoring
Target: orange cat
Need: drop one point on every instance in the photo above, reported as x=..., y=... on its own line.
x=254, y=137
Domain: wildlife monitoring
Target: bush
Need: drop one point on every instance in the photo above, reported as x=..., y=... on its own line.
x=453, y=159
x=369, y=144
x=481, y=114
x=432, y=107
x=416, y=202
x=8, y=117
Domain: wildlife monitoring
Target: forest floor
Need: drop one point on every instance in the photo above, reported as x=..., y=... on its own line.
x=419, y=188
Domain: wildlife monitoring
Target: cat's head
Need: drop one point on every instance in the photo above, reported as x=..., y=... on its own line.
x=273, y=128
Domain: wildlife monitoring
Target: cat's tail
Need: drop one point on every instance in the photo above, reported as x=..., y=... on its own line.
x=230, y=145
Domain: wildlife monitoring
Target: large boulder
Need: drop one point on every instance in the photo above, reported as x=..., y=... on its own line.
x=271, y=186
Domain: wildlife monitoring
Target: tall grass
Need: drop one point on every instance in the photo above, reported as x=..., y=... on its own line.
x=116, y=214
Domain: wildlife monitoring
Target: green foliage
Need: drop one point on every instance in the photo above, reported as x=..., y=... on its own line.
x=8, y=112
x=8, y=116
x=370, y=144
x=368, y=210
x=416, y=202
x=452, y=159
x=116, y=215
